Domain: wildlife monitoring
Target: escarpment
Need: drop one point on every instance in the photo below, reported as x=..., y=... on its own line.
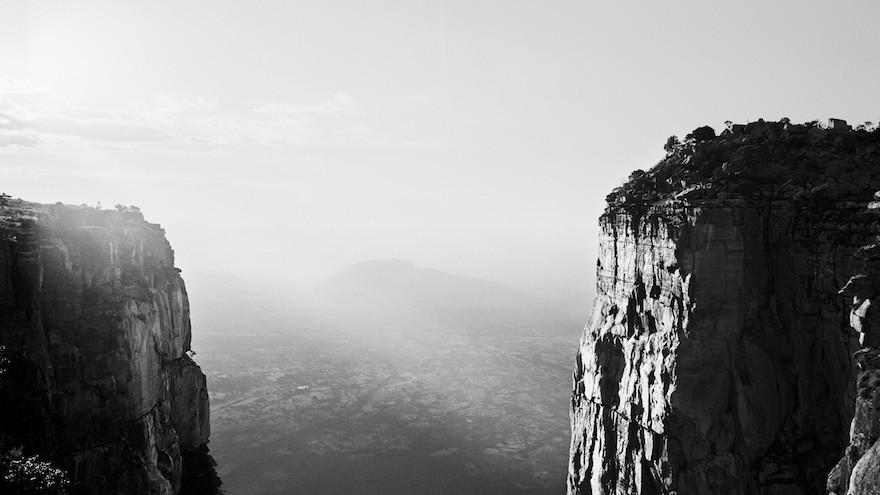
x=718, y=355
x=95, y=335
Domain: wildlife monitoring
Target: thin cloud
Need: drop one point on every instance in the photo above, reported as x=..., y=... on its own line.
x=18, y=140
x=8, y=122
x=165, y=123
x=15, y=134
x=24, y=86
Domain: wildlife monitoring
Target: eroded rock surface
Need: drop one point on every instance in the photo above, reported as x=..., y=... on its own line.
x=94, y=323
x=717, y=358
x=858, y=472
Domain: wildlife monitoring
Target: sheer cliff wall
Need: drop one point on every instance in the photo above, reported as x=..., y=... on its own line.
x=95, y=329
x=717, y=358
x=858, y=471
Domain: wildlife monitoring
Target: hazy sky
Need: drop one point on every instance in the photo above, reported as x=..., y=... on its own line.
x=291, y=138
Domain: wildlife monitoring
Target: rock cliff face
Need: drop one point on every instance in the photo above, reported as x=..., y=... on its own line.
x=717, y=358
x=94, y=331
x=858, y=472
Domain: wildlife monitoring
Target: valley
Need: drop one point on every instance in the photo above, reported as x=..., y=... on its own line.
x=403, y=408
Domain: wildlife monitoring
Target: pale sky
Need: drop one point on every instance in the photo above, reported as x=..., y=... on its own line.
x=292, y=138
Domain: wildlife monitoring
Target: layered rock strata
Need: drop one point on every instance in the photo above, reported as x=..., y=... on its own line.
x=717, y=358
x=95, y=333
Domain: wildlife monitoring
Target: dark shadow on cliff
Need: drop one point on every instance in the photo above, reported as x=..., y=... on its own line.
x=25, y=467
x=199, y=473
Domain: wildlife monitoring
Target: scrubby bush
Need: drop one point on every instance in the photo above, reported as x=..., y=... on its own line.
x=27, y=475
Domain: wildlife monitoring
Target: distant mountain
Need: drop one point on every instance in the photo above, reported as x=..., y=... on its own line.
x=395, y=289
x=224, y=302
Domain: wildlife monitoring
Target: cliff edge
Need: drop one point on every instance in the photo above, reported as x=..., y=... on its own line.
x=718, y=355
x=98, y=384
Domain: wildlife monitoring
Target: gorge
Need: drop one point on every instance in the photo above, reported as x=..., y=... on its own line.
x=732, y=347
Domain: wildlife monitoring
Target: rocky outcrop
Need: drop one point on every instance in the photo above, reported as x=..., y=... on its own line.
x=717, y=358
x=95, y=331
x=858, y=472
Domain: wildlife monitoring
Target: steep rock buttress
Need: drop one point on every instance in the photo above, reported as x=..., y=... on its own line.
x=95, y=334
x=858, y=472
x=718, y=355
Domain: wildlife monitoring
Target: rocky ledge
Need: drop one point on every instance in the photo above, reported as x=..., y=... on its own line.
x=99, y=392
x=718, y=355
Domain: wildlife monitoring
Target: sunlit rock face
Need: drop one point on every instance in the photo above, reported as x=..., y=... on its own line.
x=717, y=358
x=95, y=322
x=858, y=472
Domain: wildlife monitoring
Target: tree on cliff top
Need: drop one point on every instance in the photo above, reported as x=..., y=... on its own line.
x=701, y=134
x=671, y=144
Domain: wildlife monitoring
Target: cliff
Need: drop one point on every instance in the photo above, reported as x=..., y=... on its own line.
x=718, y=355
x=858, y=472
x=94, y=336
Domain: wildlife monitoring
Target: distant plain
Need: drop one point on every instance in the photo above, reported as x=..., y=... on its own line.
x=374, y=402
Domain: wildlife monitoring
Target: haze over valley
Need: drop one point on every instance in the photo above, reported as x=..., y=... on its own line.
x=406, y=380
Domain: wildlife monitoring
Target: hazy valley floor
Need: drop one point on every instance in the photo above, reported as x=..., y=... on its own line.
x=391, y=410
